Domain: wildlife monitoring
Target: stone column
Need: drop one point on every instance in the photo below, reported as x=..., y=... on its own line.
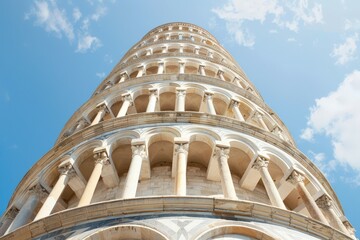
x=261, y=164
x=161, y=68
x=182, y=67
x=141, y=71
x=168, y=36
x=152, y=100
x=8, y=218
x=202, y=70
x=197, y=50
x=221, y=154
x=349, y=228
x=235, y=108
x=82, y=123
x=259, y=118
x=211, y=55
x=326, y=204
x=148, y=52
x=108, y=85
x=180, y=99
x=127, y=102
x=122, y=77
x=181, y=149
x=208, y=98
x=102, y=109
x=64, y=168
x=27, y=210
x=164, y=49
x=181, y=49
x=138, y=155
x=276, y=130
x=220, y=73
x=237, y=82
x=101, y=157
x=298, y=181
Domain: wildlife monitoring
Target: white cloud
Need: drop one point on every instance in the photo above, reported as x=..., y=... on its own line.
x=291, y=40
x=242, y=36
x=283, y=14
x=87, y=42
x=338, y=116
x=345, y=52
x=76, y=14
x=99, y=12
x=53, y=19
x=352, y=25
x=100, y=75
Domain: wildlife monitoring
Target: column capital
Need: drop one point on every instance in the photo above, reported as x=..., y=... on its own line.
x=181, y=145
x=220, y=72
x=201, y=65
x=138, y=147
x=153, y=91
x=181, y=63
x=65, y=167
x=127, y=97
x=208, y=94
x=260, y=162
x=276, y=129
x=257, y=115
x=181, y=91
x=11, y=214
x=234, y=102
x=102, y=106
x=295, y=177
x=38, y=190
x=236, y=79
x=222, y=150
x=101, y=155
x=324, y=202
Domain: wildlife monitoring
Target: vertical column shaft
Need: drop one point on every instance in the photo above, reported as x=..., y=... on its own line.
x=133, y=175
x=161, y=68
x=202, y=70
x=180, y=99
x=181, y=149
x=182, y=67
x=235, y=108
x=141, y=71
x=208, y=97
x=56, y=192
x=326, y=204
x=99, y=116
x=297, y=179
x=222, y=155
x=152, y=100
x=261, y=164
x=27, y=210
x=8, y=219
x=127, y=101
x=100, y=156
x=237, y=82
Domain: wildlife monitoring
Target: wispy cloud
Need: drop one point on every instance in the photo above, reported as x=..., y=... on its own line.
x=337, y=116
x=345, y=52
x=100, y=75
x=283, y=14
x=54, y=19
x=76, y=14
x=87, y=42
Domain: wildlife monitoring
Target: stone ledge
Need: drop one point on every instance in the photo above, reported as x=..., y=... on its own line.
x=240, y=210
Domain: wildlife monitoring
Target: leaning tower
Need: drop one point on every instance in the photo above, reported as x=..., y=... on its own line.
x=175, y=143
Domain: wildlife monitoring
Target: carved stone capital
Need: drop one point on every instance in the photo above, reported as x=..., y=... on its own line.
x=100, y=155
x=38, y=190
x=181, y=147
x=234, y=103
x=102, y=107
x=324, y=202
x=127, y=97
x=11, y=214
x=139, y=149
x=220, y=72
x=153, y=91
x=180, y=91
x=208, y=95
x=260, y=162
x=295, y=178
x=65, y=167
x=222, y=152
x=257, y=115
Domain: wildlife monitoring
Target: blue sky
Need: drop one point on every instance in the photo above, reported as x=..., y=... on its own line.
x=302, y=55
